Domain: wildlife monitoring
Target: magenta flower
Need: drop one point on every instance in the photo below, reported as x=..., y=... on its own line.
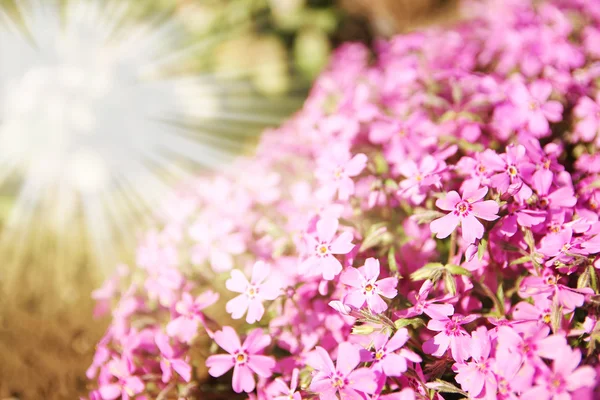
x=253, y=293
x=419, y=177
x=548, y=285
x=170, y=361
x=127, y=384
x=343, y=378
x=464, y=211
x=451, y=335
x=336, y=170
x=430, y=307
x=365, y=288
x=511, y=168
x=562, y=197
x=530, y=348
x=564, y=378
x=185, y=326
x=321, y=250
x=385, y=355
x=587, y=112
x=476, y=375
x=245, y=359
x=533, y=107
x=287, y=392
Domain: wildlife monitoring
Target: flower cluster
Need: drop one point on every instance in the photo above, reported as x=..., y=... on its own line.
x=426, y=227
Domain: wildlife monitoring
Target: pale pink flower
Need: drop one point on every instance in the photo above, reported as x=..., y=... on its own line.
x=343, y=378
x=171, y=361
x=245, y=359
x=387, y=354
x=477, y=375
x=451, y=335
x=419, y=177
x=321, y=250
x=532, y=346
x=564, y=378
x=365, y=288
x=548, y=285
x=464, y=211
x=288, y=392
x=436, y=308
x=216, y=241
x=127, y=385
x=533, y=107
x=185, y=326
x=336, y=170
x=261, y=287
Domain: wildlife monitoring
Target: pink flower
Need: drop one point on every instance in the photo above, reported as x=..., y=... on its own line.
x=533, y=106
x=385, y=357
x=170, y=361
x=217, y=242
x=253, y=293
x=464, y=211
x=476, y=375
x=288, y=392
x=452, y=335
x=587, y=112
x=365, y=288
x=321, y=250
x=185, y=326
x=564, y=378
x=419, y=177
x=343, y=378
x=336, y=170
x=126, y=386
x=422, y=305
x=510, y=168
x=562, y=197
x=245, y=359
x=532, y=346
x=548, y=285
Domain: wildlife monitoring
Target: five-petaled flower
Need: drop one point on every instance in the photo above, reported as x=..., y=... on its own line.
x=322, y=249
x=261, y=287
x=465, y=210
x=365, y=288
x=245, y=359
x=343, y=378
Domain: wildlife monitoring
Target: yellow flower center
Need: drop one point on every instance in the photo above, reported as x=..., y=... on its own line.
x=369, y=287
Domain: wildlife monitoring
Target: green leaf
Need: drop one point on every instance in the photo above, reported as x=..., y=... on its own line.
x=362, y=329
x=374, y=237
x=521, y=260
x=450, y=283
x=481, y=248
x=556, y=317
x=381, y=165
x=393, y=265
x=457, y=270
x=429, y=271
x=404, y=322
x=445, y=387
x=424, y=216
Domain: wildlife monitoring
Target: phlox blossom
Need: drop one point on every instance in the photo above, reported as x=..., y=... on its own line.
x=245, y=359
x=185, y=326
x=323, y=248
x=260, y=288
x=343, y=377
x=464, y=210
x=365, y=288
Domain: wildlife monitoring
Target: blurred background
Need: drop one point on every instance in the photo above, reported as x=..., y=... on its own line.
x=105, y=105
